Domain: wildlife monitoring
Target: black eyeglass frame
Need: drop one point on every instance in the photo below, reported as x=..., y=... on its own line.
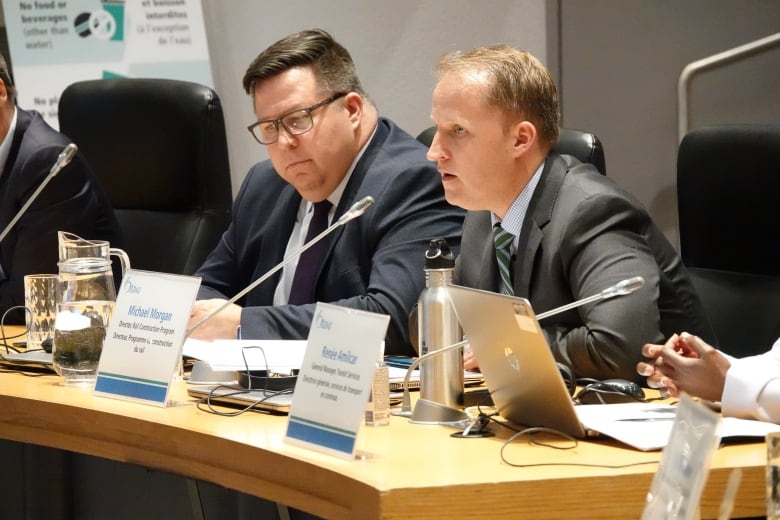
x=280, y=120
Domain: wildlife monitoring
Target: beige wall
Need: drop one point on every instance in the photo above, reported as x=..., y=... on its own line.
x=621, y=60
x=394, y=44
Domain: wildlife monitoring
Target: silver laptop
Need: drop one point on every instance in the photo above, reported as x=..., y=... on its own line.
x=27, y=359
x=519, y=369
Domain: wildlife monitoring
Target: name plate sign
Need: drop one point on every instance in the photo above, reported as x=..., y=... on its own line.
x=335, y=378
x=144, y=338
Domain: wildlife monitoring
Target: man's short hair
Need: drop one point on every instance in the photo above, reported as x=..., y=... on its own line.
x=518, y=84
x=331, y=62
x=5, y=75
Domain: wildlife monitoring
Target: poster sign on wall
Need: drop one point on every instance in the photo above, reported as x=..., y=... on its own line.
x=54, y=43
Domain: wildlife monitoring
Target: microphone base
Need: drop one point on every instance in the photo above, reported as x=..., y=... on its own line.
x=431, y=412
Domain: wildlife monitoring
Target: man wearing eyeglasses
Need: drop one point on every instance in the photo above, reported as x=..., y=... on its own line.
x=328, y=148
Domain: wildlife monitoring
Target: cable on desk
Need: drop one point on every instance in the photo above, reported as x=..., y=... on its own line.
x=205, y=404
x=5, y=338
x=532, y=431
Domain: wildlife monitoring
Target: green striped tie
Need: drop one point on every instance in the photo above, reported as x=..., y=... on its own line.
x=503, y=241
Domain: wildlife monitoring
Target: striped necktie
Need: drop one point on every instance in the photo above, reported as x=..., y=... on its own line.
x=503, y=242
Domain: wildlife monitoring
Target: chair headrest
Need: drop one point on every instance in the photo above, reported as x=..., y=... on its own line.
x=152, y=143
x=584, y=146
x=728, y=189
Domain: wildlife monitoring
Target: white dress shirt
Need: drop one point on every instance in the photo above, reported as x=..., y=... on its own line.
x=752, y=388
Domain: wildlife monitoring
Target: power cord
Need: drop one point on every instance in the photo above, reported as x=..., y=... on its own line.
x=218, y=395
x=3, y=336
x=482, y=419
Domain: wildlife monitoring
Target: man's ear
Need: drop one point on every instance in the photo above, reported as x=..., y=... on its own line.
x=353, y=102
x=524, y=133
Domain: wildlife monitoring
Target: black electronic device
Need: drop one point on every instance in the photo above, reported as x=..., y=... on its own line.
x=260, y=380
x=609, y=391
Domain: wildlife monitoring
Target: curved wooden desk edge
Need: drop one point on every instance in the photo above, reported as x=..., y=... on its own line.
x=181, y=450
x=404, y=481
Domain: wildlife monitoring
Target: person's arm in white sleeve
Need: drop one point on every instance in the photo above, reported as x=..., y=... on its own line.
x=752, y=388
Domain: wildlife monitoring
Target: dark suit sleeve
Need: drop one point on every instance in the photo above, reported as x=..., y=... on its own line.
x=376, y=265
x=221, y=275
x=604, y=243
x=70, y=202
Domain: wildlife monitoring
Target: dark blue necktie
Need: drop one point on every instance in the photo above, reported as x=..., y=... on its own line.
x=302, y=290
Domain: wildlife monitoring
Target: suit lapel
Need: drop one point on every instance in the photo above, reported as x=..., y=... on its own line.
x=351, y=192
x=539, y=214
x=352, y=189
x=488, y=278
x=23, y=120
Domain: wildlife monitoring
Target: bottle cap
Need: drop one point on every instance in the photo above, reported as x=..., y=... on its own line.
x=439, y=255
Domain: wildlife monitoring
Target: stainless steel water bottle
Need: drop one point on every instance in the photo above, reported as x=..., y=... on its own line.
x=441, y=377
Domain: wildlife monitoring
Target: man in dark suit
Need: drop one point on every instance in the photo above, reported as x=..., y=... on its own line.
x=72, y=201
x=326, y=142
x=563, y=230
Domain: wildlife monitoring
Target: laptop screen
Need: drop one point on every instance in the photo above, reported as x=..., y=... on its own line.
x=513, y=355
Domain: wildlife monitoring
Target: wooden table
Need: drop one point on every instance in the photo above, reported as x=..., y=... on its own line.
x=409, y=471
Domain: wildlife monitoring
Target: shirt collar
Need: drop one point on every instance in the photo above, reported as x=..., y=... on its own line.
x=513, y=220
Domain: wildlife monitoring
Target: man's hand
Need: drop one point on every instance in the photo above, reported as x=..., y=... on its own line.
x=222, y=325
x=469, y=361
x=685, y=364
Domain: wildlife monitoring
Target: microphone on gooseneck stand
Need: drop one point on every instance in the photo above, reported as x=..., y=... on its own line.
x=356, y=210
x=426, y=411
x=62, y=160
x=435, y=412
x=621, y=288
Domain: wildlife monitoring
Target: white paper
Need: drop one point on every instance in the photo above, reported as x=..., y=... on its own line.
x=647, y=426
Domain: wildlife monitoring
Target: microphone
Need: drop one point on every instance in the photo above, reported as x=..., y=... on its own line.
x=622, y=288
x=356, y=210
x=445, y=414
x=406, y=403
x=62, y=161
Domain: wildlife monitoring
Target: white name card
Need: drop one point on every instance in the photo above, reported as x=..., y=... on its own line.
x=335, y=379
x=145, y=336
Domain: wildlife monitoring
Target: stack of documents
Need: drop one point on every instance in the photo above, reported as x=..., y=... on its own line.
x=646, y=426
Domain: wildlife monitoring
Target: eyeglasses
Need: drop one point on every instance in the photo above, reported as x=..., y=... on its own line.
x=296, y=122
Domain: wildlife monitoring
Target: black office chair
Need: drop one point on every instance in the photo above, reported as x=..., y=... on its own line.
x=159, y=149
x=728, y=191
x=584, y=146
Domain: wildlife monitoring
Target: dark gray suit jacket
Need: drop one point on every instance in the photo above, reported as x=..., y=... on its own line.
x=373, y=263
x=72, y=201
x=582, y=234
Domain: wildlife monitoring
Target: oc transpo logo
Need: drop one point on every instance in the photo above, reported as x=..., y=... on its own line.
x=105, y=24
